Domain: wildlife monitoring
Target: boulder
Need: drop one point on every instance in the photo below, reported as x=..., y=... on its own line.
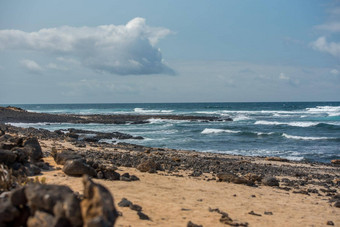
x=54, y=199
x=40, y=218
x=61, y=157
x=7, y=157
x=97, y=207
x=35, y=152
x=78, y=167
x=270, y=181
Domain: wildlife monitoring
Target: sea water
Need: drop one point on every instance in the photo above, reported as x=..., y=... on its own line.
x=295, y=130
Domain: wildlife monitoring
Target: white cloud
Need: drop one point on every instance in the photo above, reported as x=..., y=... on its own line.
x=31, y=66
x=54, y=66
x=334, y=72
x=124, y=49
x=322, y=45
x=284, y=77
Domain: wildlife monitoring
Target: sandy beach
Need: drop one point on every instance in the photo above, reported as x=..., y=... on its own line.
x=174, y=201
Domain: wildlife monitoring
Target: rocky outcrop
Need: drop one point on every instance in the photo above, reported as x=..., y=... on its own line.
x=55, y=205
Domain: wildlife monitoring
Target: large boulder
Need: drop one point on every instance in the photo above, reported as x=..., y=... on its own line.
x=7, y=157
x=97, y=207
x=54, y=199
x=78, y=167
x=35, y=152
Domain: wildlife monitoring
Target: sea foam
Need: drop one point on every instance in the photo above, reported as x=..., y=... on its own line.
x=214, y=130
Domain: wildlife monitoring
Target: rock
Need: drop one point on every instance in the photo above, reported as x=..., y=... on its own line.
x=78, y=167
x=191, y=224
x=8, y=213
x=111, y=175
x=277, y=159
x=253, y=177
x=124, y=203
x=35, y=152
x=253, y=213
x=7, y=157
x=97, y=206
x=268, y=213
x=335, y=161
x=230, y=177
x=135, y=207
x=17, y=197
x=148, y=166
x=54, y=199
x=330, y=223
x=63, y=156
x=337, y=204
x=270, y=181
x=22, y=154
x=142, y=216
x=32, y=170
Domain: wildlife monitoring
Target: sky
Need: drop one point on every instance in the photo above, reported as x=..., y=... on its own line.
x=132, y=51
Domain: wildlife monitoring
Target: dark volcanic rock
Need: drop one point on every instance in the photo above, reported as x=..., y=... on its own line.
x=65, y=155
x=35, y=152
x=124, y=203
x=78, y=167
x=7, y=157
x=97, y=207
x=191, y=224
x=56, y=199
x=270, y=181
x=142, y=216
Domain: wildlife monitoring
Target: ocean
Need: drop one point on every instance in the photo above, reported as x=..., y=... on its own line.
x=293, y=130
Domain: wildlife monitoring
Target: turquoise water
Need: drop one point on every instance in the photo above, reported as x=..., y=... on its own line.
x=296, y=131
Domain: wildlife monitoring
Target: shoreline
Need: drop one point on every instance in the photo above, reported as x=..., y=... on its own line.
x=189, y=186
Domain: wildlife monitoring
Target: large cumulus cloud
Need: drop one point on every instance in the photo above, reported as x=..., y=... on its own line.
x=125, y=49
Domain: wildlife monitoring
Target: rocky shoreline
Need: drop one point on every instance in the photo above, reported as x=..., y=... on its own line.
x=24, y=153
x=18, y=115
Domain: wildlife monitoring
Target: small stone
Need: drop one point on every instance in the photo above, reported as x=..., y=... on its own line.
x=253, y=213
x=135, y=207
x=268, y=213
x=142, y=216
x=330, y=223
x=124, y=203
x=191, y=224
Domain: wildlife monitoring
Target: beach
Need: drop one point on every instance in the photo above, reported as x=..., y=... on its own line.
x=182, y=188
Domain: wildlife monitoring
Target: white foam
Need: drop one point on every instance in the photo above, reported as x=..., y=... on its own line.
x=142, y=110
x=160, y=121
x=241, y=117
x=306, y=137
x=295, y=124
x=213, y=130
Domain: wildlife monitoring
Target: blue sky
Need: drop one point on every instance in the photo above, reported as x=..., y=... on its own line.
x=169, y=51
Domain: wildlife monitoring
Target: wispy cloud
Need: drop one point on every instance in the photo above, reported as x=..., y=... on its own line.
x=31, y=66
x=321, y=44
x=123, y=49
